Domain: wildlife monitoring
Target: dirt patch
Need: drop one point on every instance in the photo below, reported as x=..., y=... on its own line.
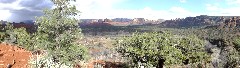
x=103, y=64
x=13, y=56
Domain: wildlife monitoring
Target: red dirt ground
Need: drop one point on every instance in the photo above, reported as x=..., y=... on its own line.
x=13, y=56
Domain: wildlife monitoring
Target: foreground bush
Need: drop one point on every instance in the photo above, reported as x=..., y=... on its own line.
x=158, y=49
x=57, y=33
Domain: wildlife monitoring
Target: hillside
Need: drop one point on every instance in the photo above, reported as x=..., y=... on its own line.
x=198, y=21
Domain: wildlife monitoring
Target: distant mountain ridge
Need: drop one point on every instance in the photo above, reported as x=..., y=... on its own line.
x=198, y=21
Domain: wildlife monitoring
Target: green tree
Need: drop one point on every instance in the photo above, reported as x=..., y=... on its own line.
x=58, y=32
x=156, y=49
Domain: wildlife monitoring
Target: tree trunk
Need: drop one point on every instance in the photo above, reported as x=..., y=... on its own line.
x=160, y=63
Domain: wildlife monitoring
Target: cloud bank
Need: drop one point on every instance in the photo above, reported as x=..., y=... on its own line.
x=19, y=10
x=7, y=1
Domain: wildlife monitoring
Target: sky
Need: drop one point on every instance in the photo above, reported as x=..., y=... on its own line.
x=18, y=10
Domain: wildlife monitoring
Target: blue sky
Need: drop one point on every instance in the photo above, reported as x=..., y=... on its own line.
x=99, y=9
x=154, y=4
x=191, y=5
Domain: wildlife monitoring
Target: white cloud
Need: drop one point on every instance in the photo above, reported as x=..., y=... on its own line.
x=104, y=9
x=183, y=1
x=233, y=2
x=4, y=9
x=212, y=7
x=20, y=10
x=5, y=14
x=216, y=10
x=95, y=8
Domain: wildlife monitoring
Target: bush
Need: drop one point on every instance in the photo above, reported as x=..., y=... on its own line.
x=155, y=49
x=237, y=43
x=57, y=33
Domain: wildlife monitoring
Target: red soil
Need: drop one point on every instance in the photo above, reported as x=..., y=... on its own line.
x=13, y=56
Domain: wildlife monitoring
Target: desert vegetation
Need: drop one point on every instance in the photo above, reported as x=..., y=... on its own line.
x=218, y=44
x=158, y=49
x=57, y=34
x=58, y=41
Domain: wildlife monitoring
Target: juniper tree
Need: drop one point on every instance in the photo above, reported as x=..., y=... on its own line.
x=58, y=32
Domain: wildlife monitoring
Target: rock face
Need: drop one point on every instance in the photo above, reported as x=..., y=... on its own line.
x=215, y=57
x=219, y=52
x=214, y=51
x=13, y=56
